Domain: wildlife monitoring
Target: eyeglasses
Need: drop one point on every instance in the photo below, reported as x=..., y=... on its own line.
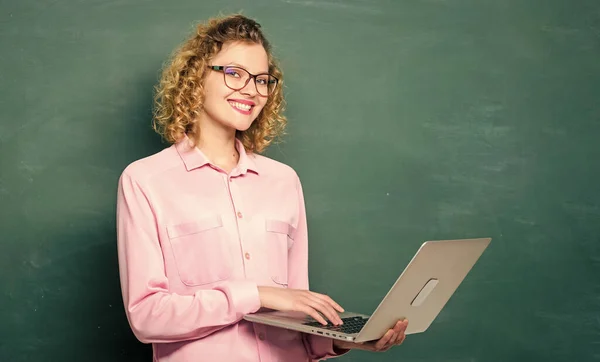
x=237, y=78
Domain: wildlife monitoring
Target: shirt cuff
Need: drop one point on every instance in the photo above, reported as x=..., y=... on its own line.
x=243, y=296
x=322, y=347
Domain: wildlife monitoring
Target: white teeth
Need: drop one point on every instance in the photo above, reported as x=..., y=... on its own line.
x=243, y=107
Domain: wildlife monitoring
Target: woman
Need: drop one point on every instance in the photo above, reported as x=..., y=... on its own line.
x=208, y=230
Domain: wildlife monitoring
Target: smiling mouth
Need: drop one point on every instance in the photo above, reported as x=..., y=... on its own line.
x=241, y=106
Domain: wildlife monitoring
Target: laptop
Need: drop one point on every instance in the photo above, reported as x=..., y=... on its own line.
x=419, y=294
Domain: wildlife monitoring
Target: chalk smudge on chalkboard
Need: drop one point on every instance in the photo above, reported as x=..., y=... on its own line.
x=524, y=221
x=336, y=5
x=581, y=209
x=468, y=180
x=446, y=209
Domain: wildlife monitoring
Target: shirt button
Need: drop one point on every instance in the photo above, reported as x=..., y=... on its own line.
x=261, y=336
x=247, y=255
x=239, y=214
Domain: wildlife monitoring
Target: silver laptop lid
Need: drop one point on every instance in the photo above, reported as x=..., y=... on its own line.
x=425, y=285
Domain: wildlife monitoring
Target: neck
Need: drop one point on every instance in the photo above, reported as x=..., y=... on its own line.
x=218, y=144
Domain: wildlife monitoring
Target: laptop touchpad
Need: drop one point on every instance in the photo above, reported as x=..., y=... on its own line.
x=424, y=293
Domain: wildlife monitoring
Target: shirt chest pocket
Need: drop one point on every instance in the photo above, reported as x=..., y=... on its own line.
x=279, y=241
x=201, y=251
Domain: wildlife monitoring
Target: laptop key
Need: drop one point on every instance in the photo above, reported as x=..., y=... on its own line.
x=351, y=325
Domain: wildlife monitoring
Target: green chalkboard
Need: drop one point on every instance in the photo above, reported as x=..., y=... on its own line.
x=408, y=121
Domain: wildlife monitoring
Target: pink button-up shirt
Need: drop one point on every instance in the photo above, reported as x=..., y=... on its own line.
x=195, y=242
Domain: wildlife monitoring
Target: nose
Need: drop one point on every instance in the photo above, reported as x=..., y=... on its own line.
x=250, y=87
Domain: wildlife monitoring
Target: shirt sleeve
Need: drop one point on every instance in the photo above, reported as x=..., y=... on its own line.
x=154, y=313
x=318, y=348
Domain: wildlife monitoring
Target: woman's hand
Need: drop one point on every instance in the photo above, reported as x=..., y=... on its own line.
x=296, y=300
x=392, y=337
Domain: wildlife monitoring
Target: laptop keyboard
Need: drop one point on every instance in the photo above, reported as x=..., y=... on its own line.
x=351, y=325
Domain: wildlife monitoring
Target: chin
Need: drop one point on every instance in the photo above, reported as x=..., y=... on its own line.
x=242, y=129
x=243, y=125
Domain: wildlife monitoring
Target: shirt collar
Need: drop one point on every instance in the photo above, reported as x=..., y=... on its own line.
x=193, y=157
x=247, y=161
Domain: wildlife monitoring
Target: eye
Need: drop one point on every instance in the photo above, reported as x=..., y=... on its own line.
x=232, y=72
x=262, y=80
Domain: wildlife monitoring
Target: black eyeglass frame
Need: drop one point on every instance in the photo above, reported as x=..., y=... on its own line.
x=221, y=68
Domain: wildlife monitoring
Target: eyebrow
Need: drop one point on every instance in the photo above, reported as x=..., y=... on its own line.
x=241, y=66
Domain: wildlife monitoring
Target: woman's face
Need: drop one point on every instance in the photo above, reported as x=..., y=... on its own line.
x=234, y=109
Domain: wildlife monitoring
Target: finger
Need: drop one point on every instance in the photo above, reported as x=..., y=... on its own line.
x=401, y=326
x=326, y=310
x=404, y=327
x=392, y=340
x=400, y=340
x=313, y=313
x=329, y=309
x=329, y=301
x=383, y=341
x=397, y=329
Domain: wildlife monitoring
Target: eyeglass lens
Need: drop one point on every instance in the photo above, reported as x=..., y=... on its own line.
x=237, y=78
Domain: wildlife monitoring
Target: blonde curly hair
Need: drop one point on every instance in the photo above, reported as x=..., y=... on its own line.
x=179, y=96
